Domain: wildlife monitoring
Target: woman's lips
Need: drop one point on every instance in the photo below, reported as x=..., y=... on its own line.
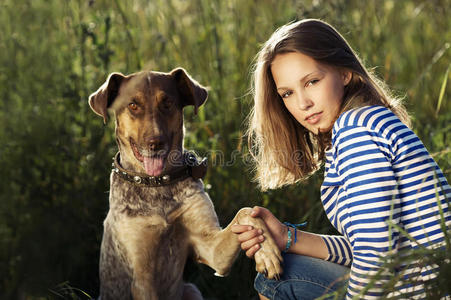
x=314, y=118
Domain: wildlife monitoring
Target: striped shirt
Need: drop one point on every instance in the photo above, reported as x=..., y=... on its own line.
x=378, y=173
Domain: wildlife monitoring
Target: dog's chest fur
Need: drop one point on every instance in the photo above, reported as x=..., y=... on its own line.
x=134, y=200
x=142, y=225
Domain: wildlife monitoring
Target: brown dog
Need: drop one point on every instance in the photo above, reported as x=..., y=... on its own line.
x=159, y=212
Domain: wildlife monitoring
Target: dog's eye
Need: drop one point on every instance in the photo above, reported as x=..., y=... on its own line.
x=133, y=106
x=167, y=103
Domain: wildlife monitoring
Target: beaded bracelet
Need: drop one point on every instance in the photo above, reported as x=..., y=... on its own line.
x=289, y=240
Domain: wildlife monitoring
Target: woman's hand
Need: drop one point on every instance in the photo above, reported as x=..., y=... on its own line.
x=250, y=238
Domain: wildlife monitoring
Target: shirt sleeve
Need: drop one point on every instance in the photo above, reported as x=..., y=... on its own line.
x=363, y=160
x=339, y=249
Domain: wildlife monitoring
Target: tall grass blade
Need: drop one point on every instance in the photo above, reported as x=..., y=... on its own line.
x=442, y=91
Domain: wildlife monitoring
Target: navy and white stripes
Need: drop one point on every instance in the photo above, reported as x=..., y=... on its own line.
x=377, y=171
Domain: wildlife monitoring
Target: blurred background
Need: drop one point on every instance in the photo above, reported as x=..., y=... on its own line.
x=55, y=153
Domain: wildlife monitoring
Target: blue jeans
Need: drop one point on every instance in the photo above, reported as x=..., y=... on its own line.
x=304, y=278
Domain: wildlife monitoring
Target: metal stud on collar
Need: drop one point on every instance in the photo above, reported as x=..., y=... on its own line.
x=166, y=178
x=137, y=179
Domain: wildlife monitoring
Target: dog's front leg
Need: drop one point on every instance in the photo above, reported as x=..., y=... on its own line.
x=218, y=248
x=138, y=240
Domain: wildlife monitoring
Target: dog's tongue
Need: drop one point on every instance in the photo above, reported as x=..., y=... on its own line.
x=153, y=165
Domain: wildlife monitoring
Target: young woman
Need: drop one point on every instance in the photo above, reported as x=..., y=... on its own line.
x=315, y=102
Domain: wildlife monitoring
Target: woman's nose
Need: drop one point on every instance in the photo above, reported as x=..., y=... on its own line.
x=304, y=102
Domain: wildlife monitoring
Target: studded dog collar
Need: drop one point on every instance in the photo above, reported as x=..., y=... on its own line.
x=191, y=168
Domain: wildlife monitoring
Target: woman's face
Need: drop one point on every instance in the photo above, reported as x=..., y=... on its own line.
x=312, y=92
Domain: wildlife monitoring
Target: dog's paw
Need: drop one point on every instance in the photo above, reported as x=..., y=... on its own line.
x=268, y=259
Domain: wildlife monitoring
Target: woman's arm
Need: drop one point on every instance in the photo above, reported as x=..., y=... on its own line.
x=309, y=244
x=333, y=248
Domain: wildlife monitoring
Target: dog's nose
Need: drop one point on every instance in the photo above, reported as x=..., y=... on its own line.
x=156, y=143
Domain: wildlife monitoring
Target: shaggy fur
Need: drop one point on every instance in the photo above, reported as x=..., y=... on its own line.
x=150, y=231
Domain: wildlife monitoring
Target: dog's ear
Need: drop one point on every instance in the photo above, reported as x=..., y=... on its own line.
x=105, y=95
x=191, y=91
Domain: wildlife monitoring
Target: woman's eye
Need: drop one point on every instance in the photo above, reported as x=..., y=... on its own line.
x=312, y=82
x=133, y=106
x=286, y=94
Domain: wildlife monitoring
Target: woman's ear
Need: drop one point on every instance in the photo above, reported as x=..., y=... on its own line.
x=346, y=75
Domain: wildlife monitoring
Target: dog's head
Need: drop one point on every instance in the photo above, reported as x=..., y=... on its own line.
x=149, y=115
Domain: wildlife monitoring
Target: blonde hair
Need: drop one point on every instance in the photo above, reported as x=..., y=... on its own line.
x=283, y=150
